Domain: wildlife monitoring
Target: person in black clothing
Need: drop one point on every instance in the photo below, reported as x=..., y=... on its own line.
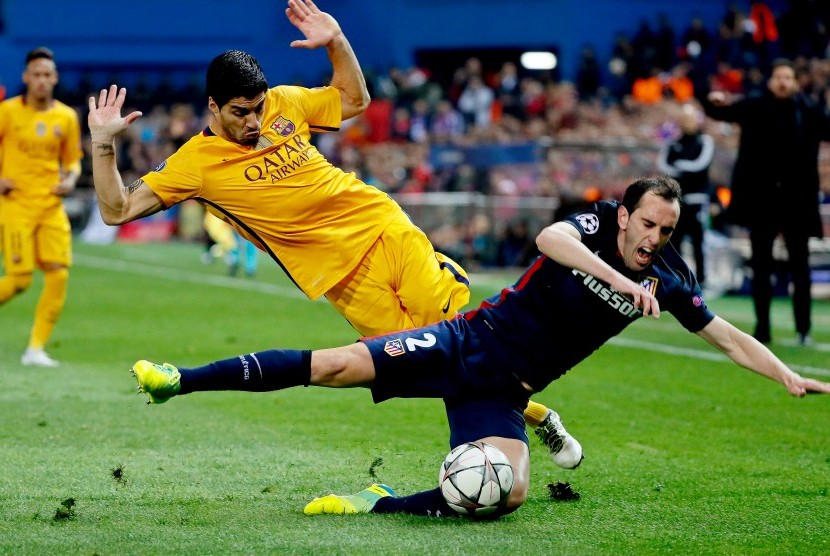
x=775, y=185
x=600, y=271
x=687, y=159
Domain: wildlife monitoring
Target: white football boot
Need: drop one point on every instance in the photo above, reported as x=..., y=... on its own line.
x=37, y=358
x=565, y=450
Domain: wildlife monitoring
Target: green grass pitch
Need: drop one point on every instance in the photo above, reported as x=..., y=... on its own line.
x=685, y=453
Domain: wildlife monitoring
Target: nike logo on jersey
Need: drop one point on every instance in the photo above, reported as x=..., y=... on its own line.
x=447, y=306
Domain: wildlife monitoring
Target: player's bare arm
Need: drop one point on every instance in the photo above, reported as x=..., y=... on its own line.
x=117, y=203
x=749, y=353
x=321, y=29
x=562, y=243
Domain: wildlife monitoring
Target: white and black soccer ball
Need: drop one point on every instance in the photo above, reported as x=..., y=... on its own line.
x=475, y=478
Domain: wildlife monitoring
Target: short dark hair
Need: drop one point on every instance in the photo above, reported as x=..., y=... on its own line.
x=782, y=62
x=234, y=74
x=38, y=53
x=662, y=186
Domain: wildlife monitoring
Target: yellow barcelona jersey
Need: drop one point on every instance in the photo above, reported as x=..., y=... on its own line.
x=36, y=146
x=314, y=219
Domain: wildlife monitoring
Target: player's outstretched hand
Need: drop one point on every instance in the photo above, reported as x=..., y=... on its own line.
x=799, y=386
x=318, y=27
x=105, y=120
x=639, y=296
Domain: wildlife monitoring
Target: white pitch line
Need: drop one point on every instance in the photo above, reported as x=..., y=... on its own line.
x=701, y=354
x=186, y=276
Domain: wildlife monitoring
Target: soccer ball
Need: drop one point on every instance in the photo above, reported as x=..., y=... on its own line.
x=475, y=478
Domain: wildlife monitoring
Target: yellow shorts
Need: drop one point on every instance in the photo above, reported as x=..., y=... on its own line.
x=401, y=283
x=29, y=241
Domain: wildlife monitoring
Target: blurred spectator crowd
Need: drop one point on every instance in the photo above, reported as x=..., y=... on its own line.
x=586, y=138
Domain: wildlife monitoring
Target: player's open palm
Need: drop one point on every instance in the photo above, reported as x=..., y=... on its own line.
x=318, y=27
x=105, y=120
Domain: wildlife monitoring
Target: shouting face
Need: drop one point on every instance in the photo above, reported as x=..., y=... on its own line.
x=646, y=230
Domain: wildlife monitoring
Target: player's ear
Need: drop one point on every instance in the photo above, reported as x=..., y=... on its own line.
x=213, y=107
x=622, y=217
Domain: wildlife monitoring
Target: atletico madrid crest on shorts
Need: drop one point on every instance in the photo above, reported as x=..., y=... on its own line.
x=394, y=347
x=283, y=127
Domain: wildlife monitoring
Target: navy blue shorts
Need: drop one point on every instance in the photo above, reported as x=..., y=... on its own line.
x=472, y=420
x=448, y=360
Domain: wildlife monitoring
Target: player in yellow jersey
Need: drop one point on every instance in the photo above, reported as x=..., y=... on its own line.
x=232, y=247
x=330, y=232
x=41, y=145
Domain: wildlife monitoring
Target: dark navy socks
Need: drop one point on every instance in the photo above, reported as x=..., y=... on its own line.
x=262, y=371
x=429, y=503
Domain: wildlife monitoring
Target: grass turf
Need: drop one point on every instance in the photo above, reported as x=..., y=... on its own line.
x=683, y=454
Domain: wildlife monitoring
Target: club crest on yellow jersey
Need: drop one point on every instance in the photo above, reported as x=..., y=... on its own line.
x=283, y=126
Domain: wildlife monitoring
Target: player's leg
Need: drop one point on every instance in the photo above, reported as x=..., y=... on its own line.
x=262, y=371
x=450, y=284
x=497, y=422
x=18, y=256
x=367, y=296
x=761, y=238
x=798, y=252
x=400, y=284
x=251, y=253
x=564, y=449
x=381, y=499
x=13, y=284
x=47, y=311
x=53, y=251
x=696, y=234
x=429, y=286
x=224, y=236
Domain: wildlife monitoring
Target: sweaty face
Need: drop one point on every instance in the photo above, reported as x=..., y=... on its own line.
x=644, y=232
x=782, y=82
x=40, y=78
x=240, y=119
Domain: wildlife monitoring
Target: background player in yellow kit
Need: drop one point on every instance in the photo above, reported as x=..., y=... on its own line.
x=41, y=145
x=230, y=245
x=330, y=232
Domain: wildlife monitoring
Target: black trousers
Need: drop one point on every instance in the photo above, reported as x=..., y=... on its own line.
x=691, y=224
x=796, y=239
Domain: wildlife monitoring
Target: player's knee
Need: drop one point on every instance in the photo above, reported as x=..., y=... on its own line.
x=20, y=282
x=56, y=275
x=518, y=495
